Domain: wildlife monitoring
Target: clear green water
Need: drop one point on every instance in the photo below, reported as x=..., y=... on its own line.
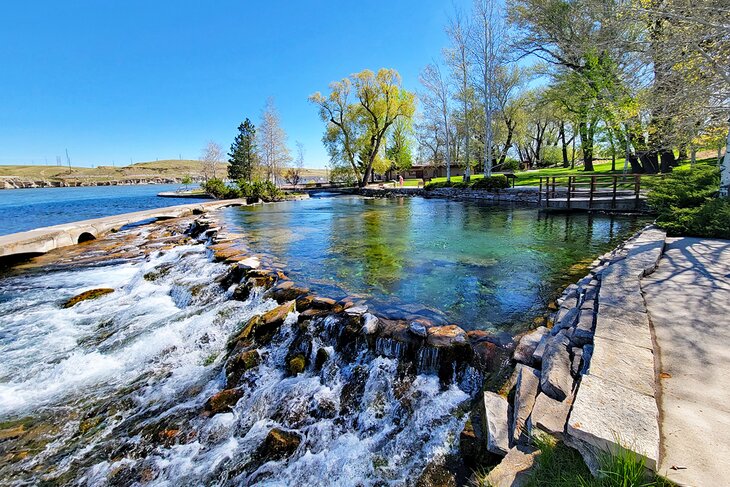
x=481, y=266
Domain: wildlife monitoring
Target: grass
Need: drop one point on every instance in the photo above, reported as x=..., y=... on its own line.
x=532, y=177
x=172, y=168
x=560, y=466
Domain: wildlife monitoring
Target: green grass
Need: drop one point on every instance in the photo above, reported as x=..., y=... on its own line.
x=560, y=466
x=532, y=177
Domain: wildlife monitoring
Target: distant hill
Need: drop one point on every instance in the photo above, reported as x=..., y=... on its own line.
x=142, y=171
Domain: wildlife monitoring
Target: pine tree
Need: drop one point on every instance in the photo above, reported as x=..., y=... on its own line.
x=243, y=157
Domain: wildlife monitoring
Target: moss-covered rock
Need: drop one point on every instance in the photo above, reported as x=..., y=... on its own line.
x=297, y=364
x=279, y=444
x=239, y=364
x=223, y=401
x=87, y=295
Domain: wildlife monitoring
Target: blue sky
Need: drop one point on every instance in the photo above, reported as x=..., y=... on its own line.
x=116, y=81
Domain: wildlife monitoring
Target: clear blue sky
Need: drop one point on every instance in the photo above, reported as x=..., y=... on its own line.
x=146, y=80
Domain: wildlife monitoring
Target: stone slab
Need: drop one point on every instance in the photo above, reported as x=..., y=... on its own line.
x=496, y=417
x=549, y=415
x=609, y=416
x=625, y=364
x=630, y=327
x=514, y=469
x=526, y=389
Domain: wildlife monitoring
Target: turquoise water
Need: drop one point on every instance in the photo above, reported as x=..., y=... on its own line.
x=479, y=266
x=26, y=209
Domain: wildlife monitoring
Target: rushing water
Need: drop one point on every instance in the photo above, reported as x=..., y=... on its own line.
x=26, y=209
x=481, y=266
x=112, y=391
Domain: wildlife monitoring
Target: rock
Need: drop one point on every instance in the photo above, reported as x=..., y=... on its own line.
x=311, y=313
x=586, y=355
x=514, y=469
x=496, y=419
x=446, y=336
x=360, y=309
x=436, y=475
x=279, y=444
x=471, y=442
x=370, y=324
x=583, y=332
x=246, y=332
x=285, y=291
x=237, y=365
x=556, y=380
x=549, y=415
x=608, y=415
x=576, y=362
x=87, y=295
x=624, y=326
x=526, y=389
x=296, y=364
x=272, y=320
x=320, y=359
x=540, y=349
x=324, y=303
x=418, y=329
x=223, y=401
x=527, y=345
x=487, y=356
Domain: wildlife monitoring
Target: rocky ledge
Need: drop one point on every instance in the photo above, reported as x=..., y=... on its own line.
x=588, y=379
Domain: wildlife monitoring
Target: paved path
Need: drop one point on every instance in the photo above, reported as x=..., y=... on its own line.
x=688, y=298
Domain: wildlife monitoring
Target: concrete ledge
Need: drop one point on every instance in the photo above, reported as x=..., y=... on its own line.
x=42, y=240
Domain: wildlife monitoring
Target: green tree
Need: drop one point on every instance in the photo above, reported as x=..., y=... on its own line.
x=357, y=127
x=243, y=158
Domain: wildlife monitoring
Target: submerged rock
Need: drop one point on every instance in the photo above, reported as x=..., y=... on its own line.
x=87, y=295
x=223, y=401
x=279, y=444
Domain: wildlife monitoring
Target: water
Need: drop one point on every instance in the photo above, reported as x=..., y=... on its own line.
x=112, y=391
x=26, y=209
x=480, y=266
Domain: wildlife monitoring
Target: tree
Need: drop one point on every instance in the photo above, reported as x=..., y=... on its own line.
x=458, y=56
x=211, y=157
x=243, y=157
x=436, y=101
x=293, y=174
x=356, y=130
x=486, y=49
x=273, y=152
x=399, y=150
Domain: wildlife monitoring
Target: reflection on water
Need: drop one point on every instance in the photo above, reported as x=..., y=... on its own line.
x=479, y=265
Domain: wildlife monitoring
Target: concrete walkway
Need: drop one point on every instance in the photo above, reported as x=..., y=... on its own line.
x=688, y=299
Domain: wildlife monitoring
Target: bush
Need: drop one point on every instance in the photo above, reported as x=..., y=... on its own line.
x=687, y=204
x=265, y=190
x=220, y=190
x=492, y=183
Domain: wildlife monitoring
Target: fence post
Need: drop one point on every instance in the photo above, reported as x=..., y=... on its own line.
x=637, y=190
x=539, y=194
x=570, y=186
x=590, y=196
x=613, y=198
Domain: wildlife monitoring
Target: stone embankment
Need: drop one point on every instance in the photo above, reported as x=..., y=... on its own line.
x=589, y=379
x=518, y=194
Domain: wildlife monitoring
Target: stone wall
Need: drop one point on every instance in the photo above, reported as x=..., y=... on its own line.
x=588, y=379
x=519, y=194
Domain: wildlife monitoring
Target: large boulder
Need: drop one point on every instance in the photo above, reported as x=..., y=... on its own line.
x=556, y=380
x=526, y=389
x=527, y=345
x=514, y=469
x=240, y=363
x=496, y=419
x=272, y=320
x=285, y=291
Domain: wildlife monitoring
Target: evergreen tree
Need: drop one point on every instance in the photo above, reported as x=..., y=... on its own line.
x=243, y=157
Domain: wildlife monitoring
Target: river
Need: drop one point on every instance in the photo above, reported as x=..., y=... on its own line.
x=26, y=209
x=113, y=391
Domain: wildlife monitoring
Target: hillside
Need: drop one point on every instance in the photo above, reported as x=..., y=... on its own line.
x=139, y=172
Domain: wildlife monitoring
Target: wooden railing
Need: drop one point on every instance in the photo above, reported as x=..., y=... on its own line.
x=594, y=192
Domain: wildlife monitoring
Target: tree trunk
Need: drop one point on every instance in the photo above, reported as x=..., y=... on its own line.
x=586, y=142
x=650, y=162
x=725, y=170
x=667, y=161
x=682, y=153
x=566, y=162
x=508, y=143
x=693, y=155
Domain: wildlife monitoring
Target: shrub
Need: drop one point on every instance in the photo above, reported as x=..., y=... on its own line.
x=437, y=185
x=687, y=204
x=492, y=183
x=220, y=190
x=265, y=190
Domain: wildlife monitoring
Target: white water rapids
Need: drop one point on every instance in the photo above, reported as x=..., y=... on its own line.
x=111, y=391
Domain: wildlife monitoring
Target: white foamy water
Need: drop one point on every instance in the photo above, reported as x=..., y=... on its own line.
x=122, y=381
